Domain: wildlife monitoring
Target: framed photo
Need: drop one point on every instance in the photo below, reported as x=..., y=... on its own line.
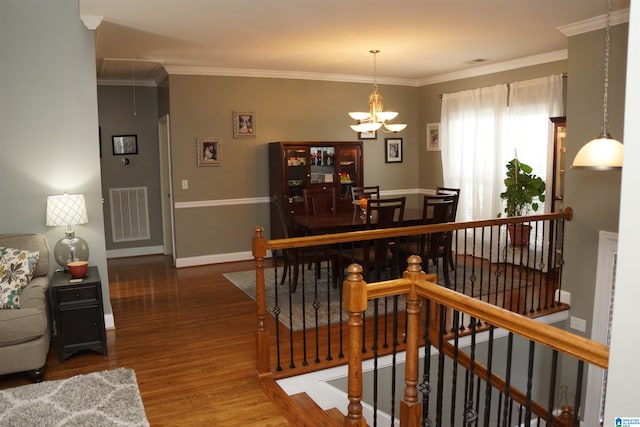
x=124, y=144
x=393, y=150
x=244, y=124
x=433, y=136
x=368, y=135
x=209, y=151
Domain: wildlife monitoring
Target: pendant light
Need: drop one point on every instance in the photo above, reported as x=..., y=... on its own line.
x=376, y=118
x=604, y=152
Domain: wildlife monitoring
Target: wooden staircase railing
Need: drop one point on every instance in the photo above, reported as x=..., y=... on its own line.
x=416, y=286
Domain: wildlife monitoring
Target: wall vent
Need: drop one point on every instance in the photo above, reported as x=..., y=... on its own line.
x=129, y=214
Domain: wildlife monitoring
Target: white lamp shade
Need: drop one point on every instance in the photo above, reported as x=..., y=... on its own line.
x=397, y=127
x=67, y=209
x=359, y=115
x=602, y=153
x=383, y=116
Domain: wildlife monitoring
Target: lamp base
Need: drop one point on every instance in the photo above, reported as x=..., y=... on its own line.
x=70, y=248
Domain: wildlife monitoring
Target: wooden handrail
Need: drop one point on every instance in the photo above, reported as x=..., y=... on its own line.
x=414, y=284
x=356, y=236
x=579, y=347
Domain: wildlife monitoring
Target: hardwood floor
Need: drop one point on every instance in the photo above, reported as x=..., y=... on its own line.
x=189, y=335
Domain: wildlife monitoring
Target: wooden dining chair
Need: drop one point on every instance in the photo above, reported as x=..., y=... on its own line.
x=454, y=211
x=368, y=192
x=437, y=209
x=374, y=255
x=319, y=201
x=292, y=258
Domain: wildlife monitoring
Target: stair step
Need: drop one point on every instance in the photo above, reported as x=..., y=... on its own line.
x=335, y=414
x=314, y=415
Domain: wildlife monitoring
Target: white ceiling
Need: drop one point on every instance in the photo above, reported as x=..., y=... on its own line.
x=419, y=40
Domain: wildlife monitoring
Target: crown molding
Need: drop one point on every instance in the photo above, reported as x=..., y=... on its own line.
x=528, y=61
x=592, y=24
x=276, y=74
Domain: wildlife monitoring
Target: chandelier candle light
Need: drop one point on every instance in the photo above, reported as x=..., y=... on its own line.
x=68, y=209
x=604, y=152
x=375, y=118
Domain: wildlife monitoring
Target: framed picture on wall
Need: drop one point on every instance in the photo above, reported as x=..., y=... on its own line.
x=433, y=136
x=209, y=151
x=368, y=135
x=393, y=150
x=124, y=144
x=244, y=124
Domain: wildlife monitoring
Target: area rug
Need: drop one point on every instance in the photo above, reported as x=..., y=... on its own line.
x=323, y=300
x=107, y=398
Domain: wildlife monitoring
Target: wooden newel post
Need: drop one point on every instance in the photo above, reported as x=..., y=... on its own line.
x=355, y=302
x=410, y=407
x=259, y=250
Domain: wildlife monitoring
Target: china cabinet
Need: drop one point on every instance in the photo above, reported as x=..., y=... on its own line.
x=294, y=166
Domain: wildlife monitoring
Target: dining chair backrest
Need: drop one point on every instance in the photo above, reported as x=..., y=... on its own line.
x=450, y=191
x=368, y=192
x=438, y=208
x=319, y=201
x=283, y=218
x=385, y=213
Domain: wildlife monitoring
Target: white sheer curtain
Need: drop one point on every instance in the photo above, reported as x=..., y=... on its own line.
x=482, y=129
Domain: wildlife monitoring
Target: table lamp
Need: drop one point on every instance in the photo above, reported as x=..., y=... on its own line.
x=68, y=209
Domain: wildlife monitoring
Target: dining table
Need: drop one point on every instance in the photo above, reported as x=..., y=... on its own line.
x=344, y=221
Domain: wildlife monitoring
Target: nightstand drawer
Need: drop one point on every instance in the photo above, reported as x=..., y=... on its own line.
x=77, y=294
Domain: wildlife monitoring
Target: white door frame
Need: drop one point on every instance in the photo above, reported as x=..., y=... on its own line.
x=166, y=187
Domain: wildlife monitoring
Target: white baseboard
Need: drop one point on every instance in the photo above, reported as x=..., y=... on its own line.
x=215, y=259
x=147, y=250
x=109, y=321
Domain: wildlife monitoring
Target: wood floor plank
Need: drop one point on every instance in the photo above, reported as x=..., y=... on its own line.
x=189, y=335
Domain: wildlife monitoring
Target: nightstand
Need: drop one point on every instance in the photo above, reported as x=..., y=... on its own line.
x=78, y=313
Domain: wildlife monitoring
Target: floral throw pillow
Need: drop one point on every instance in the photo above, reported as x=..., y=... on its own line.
x=16, y=269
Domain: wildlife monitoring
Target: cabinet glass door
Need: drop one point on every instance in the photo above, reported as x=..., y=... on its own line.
x=348, y=170
x=296, y=172
x=323, y=164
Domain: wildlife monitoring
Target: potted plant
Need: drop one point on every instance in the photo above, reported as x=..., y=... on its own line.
x=523, y=191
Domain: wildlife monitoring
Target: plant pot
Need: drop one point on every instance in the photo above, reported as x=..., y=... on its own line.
x=519, y=234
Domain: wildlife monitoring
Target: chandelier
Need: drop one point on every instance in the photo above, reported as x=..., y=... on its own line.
x=376, y=118
x=603, y=152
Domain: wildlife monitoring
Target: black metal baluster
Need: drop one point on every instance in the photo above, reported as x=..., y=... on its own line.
x=425, y=386
x=487, y=397
x=532, y=351
x=276, y=313
x=552, y=386
x=508, y=379
x=454, y=361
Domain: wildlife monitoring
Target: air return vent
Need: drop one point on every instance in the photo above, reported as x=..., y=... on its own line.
x=129, y=214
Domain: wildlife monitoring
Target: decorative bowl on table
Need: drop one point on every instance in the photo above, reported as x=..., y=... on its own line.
x=78, y=269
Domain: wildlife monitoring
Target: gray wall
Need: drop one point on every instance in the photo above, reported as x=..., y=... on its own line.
x=286, y=110
x=116, y=111
x=49, y=130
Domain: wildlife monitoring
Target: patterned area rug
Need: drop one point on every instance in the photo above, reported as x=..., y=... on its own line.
x=107, y=398
x=321, y=301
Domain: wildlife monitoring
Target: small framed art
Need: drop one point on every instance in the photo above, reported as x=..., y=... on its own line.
x=209, y=150
x=244, y=124
x=393, y=150
x=368, y=135
x=433, y=136
x=124, y=144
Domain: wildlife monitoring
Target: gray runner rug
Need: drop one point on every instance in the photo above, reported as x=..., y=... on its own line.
x=107, y=398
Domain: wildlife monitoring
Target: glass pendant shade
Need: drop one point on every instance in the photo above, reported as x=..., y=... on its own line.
x=601, y=153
